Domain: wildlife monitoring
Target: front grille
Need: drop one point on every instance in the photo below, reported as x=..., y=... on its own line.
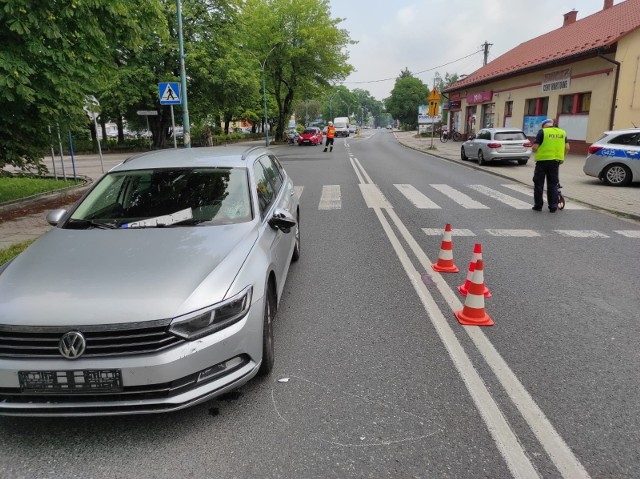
x=12, y=398
x=102, y=340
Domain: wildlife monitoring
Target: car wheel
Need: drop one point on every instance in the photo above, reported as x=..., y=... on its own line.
x=522, y=162
x=463, y=155
x=267, y=333
x=296, y=248
x=481, y=160
x=616, y=175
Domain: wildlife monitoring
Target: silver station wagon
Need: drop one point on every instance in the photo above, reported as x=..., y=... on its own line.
x=497, y=144
x=156, y=291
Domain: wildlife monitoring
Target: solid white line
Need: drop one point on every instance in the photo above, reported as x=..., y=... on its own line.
x=558, y=451
x=506, y=199
x=416, y=197
x=330, y=198
x=459, y=197
x=507, y=442
x=374, y=197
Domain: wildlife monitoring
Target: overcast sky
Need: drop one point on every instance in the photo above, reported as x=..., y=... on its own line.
x=436, y=35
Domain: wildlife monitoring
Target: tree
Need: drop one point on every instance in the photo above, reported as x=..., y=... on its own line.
x=53, y=54
x=408, y=92
x=300, y=47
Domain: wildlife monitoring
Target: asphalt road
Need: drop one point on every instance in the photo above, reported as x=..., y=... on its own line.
x=374, y=377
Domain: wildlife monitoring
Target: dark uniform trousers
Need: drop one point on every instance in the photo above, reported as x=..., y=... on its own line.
x=548, y=169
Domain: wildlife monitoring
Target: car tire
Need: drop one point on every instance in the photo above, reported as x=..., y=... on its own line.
x=616, y=175
x=266, y=366
x=296, y=248
x=522, y=162
x=481, y=160
x=463, y=155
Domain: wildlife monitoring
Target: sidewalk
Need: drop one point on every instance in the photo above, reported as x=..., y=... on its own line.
x=576, y=186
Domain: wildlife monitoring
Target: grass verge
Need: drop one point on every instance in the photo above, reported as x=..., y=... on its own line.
x=16, y=187
x=11, y=252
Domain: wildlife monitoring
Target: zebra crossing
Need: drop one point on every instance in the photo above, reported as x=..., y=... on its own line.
x=331, y=199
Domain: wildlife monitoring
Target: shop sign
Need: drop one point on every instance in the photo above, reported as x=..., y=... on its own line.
x=452, y=105
x=558, y=80
x=479, y=97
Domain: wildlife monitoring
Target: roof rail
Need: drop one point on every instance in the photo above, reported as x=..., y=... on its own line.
x=246, y=152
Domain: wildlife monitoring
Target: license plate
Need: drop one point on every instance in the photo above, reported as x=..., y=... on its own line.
x=86, y=381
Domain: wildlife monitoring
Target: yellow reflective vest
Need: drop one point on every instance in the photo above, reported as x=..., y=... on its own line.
x=553, y=144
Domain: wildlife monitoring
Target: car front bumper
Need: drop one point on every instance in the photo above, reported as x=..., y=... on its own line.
x=182, y=376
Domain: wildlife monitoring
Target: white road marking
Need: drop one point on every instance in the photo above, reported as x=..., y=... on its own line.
x=628, y=233
x=330, y=199
x=454, y=232
x=506, y=199
x=416, y=197
x=463, y=200
x=298, y=190
x=513, y=233
x=581, y=233
x=512, y=450
x=570, y=205
x=374, y=197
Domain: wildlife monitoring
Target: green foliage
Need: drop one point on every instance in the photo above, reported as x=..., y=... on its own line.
x=8, y=254
x=407, y=94
x=52, y=54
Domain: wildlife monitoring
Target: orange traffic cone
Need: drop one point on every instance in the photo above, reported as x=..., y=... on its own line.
x=464, y=288
x=445, y=257
x=473, y=313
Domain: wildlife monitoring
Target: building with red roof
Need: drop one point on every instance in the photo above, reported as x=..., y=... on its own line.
x=585, y=75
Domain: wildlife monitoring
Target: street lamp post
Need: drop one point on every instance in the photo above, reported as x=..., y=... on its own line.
x=264, y=90
x=186, y=129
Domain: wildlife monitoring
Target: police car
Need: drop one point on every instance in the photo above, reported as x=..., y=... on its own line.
x=615, y=157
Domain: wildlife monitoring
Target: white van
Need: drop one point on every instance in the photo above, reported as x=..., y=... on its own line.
x=341, y=125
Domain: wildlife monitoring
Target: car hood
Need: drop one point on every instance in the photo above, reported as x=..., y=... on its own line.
x=78, y=277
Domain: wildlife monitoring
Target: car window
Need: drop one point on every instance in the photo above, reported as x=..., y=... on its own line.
x=264, y=188
x=274, y=174
x=484, y=135
x=631, y=139
x=219, y=195
x=510, y=135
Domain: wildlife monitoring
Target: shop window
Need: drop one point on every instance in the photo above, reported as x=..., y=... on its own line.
x=536, y=106
x=488, y=115
x=575, y=103
x=584, y=102
x=508, y=108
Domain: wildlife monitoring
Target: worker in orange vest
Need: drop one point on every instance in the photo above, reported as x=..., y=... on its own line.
x=331, y=133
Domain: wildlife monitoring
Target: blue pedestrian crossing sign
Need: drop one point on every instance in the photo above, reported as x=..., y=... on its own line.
x=169, y=93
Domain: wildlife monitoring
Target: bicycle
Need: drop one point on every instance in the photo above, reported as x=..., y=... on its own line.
x=561, y=201
x=445, y=135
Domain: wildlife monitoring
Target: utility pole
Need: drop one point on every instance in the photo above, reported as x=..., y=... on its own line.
x=485, y=47
x=183, y=80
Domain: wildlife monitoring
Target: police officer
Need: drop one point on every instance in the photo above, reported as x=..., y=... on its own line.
x=550, y=148
x=331, y=133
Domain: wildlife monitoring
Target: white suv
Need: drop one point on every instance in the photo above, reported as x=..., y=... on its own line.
x=615, y=157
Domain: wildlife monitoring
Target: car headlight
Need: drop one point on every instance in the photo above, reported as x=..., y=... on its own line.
x=219, y=316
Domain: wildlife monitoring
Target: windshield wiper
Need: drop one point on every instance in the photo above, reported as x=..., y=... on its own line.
x=92, y=224
x=161, y=221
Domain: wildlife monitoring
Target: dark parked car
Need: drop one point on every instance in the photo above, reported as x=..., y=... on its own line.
x=497, y=144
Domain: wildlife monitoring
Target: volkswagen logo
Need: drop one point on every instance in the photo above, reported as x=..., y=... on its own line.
x=72, y=344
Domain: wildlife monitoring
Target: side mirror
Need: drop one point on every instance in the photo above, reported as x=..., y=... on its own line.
x=282, y=220
x=54, y=216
